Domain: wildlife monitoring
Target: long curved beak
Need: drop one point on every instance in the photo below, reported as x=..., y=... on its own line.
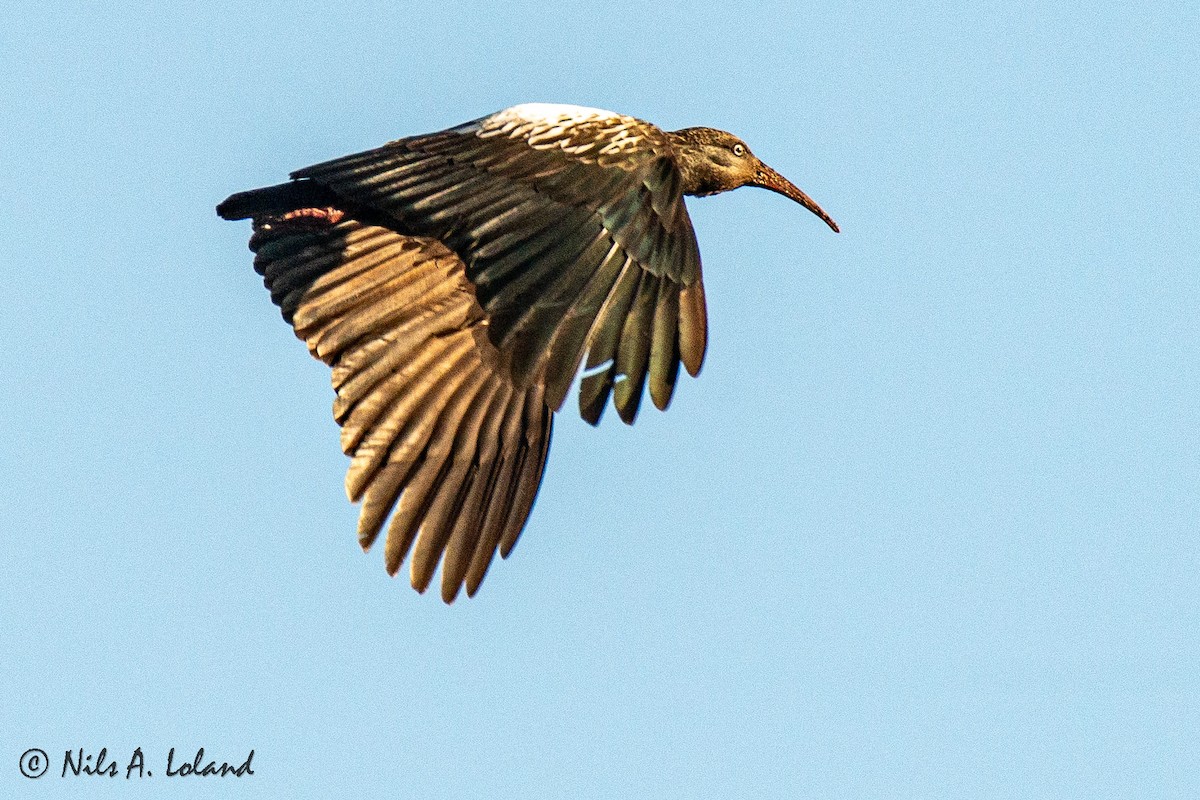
x=768, y=178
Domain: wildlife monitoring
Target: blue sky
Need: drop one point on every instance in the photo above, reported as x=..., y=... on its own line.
x=924, y=527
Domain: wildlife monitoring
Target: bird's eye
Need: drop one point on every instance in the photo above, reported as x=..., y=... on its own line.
x=739, y=149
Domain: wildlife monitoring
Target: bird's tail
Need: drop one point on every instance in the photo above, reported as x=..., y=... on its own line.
x=279, y=199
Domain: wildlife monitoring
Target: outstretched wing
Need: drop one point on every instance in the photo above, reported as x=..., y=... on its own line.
x=572, y=228
x=440, y=436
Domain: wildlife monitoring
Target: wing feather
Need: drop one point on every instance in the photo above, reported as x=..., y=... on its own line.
x=457, y=435
x=501, y=496
x=633, y=352
x=605, y=338
x=693, y=327
x=569, y=339
x=530, y=464
x=468, y=522
x=664, y=345
x=438, y=434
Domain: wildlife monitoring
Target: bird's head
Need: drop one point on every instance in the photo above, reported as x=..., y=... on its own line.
x=712, y=161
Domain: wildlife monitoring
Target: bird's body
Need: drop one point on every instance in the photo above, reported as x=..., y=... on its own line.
x=456, y=282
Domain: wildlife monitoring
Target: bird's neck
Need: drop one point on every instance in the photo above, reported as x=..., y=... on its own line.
x=697, y=173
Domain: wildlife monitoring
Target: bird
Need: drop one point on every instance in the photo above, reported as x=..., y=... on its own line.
x=456, y=282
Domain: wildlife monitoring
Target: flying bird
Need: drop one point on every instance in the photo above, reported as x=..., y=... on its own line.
x=456, y=282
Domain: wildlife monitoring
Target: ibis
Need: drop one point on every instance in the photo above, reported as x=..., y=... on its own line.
x=457, y=282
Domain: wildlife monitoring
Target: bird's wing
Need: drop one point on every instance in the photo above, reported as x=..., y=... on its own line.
x=438, y=434
x=573, y=229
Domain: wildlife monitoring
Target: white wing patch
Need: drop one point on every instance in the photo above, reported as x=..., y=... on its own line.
x=586, y=133
x=547, y=114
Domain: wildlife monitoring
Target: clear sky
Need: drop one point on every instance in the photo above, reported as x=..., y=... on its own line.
x=925, y=526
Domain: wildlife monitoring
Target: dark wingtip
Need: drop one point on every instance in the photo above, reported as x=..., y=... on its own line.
x=628, y=410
